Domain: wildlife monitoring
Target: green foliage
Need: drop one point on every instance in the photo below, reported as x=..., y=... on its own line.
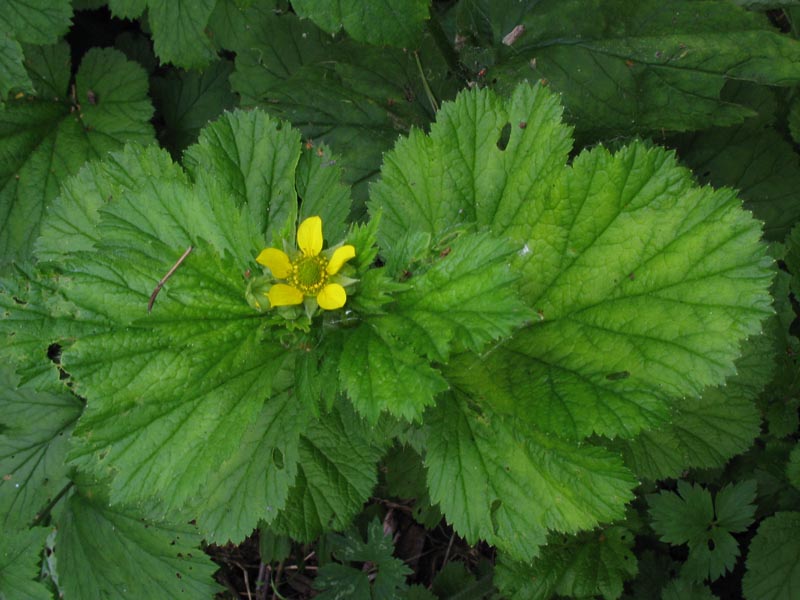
x=773, y=558
x=385, y=579
x=689, y=517
x=543, y=316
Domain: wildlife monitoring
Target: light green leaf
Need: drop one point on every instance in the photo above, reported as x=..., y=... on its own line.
x=773, y=561
x=254, y=483
x=20, y=560
x=393, y=22
x=689, y=517
x=127, y=9
x=374, y=367
x=582, y=566
x=203, y=362
x=483, y=162
x=188, y=100
x=705, y=432
x=48, y=137
x=355, y=98
x=644, y=285
x=467, y=298
x=35, y=427
x=336, y=475
x=624, y=68
x=160, y=559
x=509, y=490
x=253, y=159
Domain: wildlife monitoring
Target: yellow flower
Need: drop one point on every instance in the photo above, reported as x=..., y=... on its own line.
x=309, y=274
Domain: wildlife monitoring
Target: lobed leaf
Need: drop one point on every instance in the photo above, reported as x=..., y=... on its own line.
x=393, y=22
x=510, y=490
x=160, y=559
x=640, y=68
x=773, y=559
x=49, y=136
x=582, y=566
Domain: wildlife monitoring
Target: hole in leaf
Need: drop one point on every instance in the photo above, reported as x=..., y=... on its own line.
x=618, y=375
x=277, y=458
x=505, y=135
x=711, y=544
x=493, y=514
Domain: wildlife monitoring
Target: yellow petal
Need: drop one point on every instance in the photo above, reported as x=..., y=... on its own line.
x=309, y=236
x=281, y=294
x=276, y=261
x=332, y=297
x=340, y=256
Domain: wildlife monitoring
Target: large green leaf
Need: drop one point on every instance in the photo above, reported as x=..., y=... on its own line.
x=48, y=136
x=751, y=157
x=626, y=67
x=495, y=483
x=161, y=560
x=773, y=559
x=581, y=566
x=20, y=559
x=32, y=22
x=168, y=391
x=355, y=98
x=483, y=162
x=35, y=428
x=705, y=432
x=378, y=22
x=336, y=474
x=178, y=28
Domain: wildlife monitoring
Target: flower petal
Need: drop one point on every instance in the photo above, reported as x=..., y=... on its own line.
x=332, y=297
x=281, y=294
x=309, y=236
x=276, y=261
x=340, y=256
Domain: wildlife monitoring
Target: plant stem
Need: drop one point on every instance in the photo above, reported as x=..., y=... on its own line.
x=446, y=48
x=428, y=90
x=41, y=515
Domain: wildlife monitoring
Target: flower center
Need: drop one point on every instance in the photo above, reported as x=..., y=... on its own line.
x=309, y=274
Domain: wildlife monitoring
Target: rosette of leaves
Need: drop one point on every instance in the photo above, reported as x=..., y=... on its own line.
x=509, y=309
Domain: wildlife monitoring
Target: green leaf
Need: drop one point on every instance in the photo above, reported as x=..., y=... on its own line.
x=587, y=565
x=336, y=474
x=354, y=98
x=793, y=468
x=161, y=559
x=20, y=558
x=624, y=68
x=12, y=73
x=467, y=298
x=253, y=159
x=393, y=22
x=508, y=489
x=705, y=432
x=54, y=134
x=405, y=477
x=756, y=160
x=202, y=362
x=644, y=285
x=689, y=517
x=35, y=427
x=374, y=367
x=188, y=100
x=178, y=28
x=254, y=483
x=773, y=559
x=484, y=159
x=341, y=581
x=684, y=589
